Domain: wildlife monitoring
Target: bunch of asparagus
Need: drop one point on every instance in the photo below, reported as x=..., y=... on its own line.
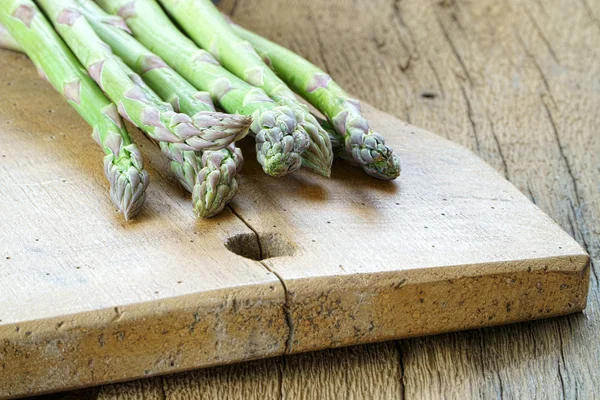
x=127, y=59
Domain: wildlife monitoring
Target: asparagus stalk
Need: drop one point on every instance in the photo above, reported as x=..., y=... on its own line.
x=280, y=141
x=211, y=176
x=138, y=104
x=123, y=164
x=206, y=26
x=7, y=41
x=362, y=144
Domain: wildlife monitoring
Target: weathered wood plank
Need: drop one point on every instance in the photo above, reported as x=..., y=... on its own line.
x=418, y=76
x=115, y=301
x=480, y=73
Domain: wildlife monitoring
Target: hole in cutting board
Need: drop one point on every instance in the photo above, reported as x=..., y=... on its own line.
x=271, y=245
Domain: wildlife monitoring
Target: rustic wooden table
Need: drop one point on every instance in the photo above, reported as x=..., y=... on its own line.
x=515, y=81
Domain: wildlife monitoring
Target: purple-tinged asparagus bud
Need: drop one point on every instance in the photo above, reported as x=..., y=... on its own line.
x=127, y=11
x=25, y=13
x=72, y=91
x=318, y=157
x=205, y=98
x=220, y=131
x=280, y=141
x=366, y=147
x=319, y=80
x=118, y=22
x=217, y=181
x=208, y=130
x=220, y=88
x=128, y=179
x=68, y=16
x=123, y=165
x=254, y=76
x=203, y=56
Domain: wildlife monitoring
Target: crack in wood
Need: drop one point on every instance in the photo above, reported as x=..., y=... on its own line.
x=289, y=320
x=320, y=46
x=282, y=368
x=541, y=34
x=458, y=23
x=583, y=231
x=437, y=77
x=536, y=65
x=561, y=150
x=401, y=380
x=531, y=196
x=400, y=18
x=573, y=231
x=504, y=163
x=287, y=310
x=589, y=12
x=501, y=385
x=562, y=357
x=163, y=390
x=455, y=51
x=470, y=116
x=482, y=348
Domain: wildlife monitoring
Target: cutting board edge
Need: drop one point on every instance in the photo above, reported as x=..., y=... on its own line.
x=580, y=272
x=96, y=347
x=384, y=306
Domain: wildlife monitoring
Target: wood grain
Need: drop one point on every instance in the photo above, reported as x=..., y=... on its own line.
x=513, y=81
x=451, y=246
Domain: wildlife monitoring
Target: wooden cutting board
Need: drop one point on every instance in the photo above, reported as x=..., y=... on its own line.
x=295, y=264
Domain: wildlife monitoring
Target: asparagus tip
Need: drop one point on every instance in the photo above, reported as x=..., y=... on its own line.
x=127, y=186
x=216, y=130
x=319, y=155
x=319, y=168
x=236, y=125
x=282, y=164
x=243, y=123
x=324, y=172
x=129, y=199
x=216, y=183
x=388, y=169
x=209, y=202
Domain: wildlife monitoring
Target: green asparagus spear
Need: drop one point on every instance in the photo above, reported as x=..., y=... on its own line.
x=207, y=27
x=211, y=175
x=279, y=140
x=138, y=104
x=123, y=164
x=363, y=145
